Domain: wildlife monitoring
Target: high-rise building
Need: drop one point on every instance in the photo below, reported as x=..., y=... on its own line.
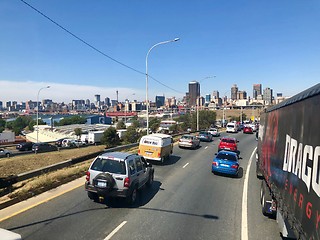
x=97, y=100
x=234, y=92
x=257, y=90
x=107, y=101
x=215, y=95
x=268, y=96
x=160, y=100
x=208, y=98
x=194, y=92
x=242, y=95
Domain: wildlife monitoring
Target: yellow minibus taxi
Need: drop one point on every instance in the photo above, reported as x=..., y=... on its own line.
x=156, y=147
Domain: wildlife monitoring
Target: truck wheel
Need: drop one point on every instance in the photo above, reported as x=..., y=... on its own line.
x=265, y=199
x=258, y=172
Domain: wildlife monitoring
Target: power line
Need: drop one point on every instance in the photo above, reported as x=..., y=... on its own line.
x=94, y=48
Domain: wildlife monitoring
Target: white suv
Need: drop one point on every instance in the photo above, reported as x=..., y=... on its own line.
x=118, y=174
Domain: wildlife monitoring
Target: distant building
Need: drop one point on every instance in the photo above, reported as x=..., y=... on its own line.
x=257, y=90
x=107, y=101
x=215, y=95
x=234, y=92
x=242, y=95
x=208, y=98
x=160, y=100
x=97, y=100
x=267, y=96
x=194, y=92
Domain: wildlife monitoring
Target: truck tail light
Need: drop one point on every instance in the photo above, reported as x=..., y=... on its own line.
x=126, y=182
x=87, y=176
x=138, y=151
x=158, y=154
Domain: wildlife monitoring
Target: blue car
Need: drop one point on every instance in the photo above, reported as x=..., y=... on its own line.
x=205, y=136
x=226, y=162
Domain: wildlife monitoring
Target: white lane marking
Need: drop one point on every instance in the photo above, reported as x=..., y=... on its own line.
x=206, y=147
x=244, y=217
x=185, y=165
x=115, y=230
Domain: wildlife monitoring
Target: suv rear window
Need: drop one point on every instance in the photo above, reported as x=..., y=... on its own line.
x=109, y=165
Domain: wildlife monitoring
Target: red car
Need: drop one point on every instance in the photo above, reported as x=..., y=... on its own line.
x=229, y=144
x=248, y=130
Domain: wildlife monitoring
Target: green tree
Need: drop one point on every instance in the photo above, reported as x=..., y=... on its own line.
x=135, y=123
x=110, y=137
x=131, y=135
x=2, y=125
x=154, y=124
x=121, y=125
x=21, y=123
x=78, y=132
x=173, y=128
x=72, y=120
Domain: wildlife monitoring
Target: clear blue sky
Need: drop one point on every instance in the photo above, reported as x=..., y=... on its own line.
x=275, y=43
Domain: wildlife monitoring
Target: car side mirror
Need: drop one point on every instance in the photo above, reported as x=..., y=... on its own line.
x=216, y=154
x=149, y=164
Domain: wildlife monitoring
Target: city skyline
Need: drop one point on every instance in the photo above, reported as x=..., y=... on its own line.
x=234, y=94
x=271, y=42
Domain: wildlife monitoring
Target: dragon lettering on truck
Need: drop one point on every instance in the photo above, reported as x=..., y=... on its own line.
x=303, y=161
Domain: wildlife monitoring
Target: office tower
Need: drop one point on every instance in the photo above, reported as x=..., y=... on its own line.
x=160, y=101
x=194, y=92
x=234, y=92
x=267, y=96
x=257, y=90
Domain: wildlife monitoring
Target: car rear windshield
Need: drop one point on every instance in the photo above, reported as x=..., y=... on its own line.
x=109, y=165
x=228, y=140
x=225, y=156
x=186, y=137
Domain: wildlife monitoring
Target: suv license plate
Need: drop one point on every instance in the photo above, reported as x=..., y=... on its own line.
x=102, y=184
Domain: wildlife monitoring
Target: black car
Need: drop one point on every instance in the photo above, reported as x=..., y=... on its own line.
x=43, y=147
x=24, y=146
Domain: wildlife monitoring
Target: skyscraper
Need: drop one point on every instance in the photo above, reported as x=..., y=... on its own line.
x=194, y=92
x=257, y=90
x=268, y=96
x=160, y=101
x=234, y=92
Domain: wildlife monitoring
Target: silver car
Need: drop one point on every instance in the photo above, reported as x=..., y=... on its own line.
x=189, y=141
x=5, y=153
x=118, y=174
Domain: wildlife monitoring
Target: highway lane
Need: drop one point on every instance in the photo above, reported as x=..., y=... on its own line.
x=186, y=202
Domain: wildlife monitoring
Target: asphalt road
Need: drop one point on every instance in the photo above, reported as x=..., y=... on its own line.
x=186, y=201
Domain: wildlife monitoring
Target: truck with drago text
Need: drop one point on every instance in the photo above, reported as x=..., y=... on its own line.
x=288, y=164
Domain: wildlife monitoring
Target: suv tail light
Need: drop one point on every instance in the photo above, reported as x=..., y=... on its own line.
x=126, y=182
x=87, y=176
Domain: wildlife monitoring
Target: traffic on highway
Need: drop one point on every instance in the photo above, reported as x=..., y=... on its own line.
x=185, y=201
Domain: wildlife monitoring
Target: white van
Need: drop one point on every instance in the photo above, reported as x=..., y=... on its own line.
x=156, y=146
x=232, y=127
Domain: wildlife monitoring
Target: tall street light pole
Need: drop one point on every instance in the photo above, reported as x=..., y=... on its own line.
x=38, y=111
x=147, y=101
